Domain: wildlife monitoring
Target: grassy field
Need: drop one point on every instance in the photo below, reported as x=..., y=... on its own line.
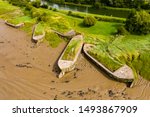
x=6, y=8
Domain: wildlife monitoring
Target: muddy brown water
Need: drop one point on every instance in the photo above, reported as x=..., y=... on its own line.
x=30, y=72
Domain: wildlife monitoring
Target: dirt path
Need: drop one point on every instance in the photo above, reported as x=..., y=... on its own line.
x=28, y=72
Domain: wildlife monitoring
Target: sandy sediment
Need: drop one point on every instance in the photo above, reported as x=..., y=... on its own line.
x=29, y=72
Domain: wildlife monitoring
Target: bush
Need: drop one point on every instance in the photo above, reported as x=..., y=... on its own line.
x=138, y=22
x=110, y=19
x=97, y=5
x=44, y=17
x=41, y=16
x=69, y=12
x=35, y=13
x=122, y=31
x=36, y=3
x=18, y=2
x=54, y=9
x=89, y=21
x=50, y=8
x=29, y=7
x=44, y=6
x=99, y=17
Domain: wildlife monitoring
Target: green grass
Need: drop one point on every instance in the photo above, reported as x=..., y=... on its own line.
x=7, y=11
x=53, y=39
x=101, y=27
x=71, y=50
x=133, y=50
x=5, y=7
x=100, y=53
x=18, y=20
x=40, y=29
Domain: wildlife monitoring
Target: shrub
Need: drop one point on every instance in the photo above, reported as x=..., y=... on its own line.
x=36, y=3
x=18, y=2
x=41, y=16
x=35, y=13
x=29, y=7
x=54, y=9
x=44, y=17
x=99, y=17
x=44, y=6
x=138, y=22
x=97, y=5
x=50, y=8
x=110, y=19
x=122, y=31
x=69, y=12
x=89, y=21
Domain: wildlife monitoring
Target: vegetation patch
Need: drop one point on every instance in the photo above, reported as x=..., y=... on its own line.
x=138, y=22
x=132, y=50
x=97, y=17
x=19, y=20
x=40, y=29
x=72, y=50
x=99, y=52
x=5, y=7
x=89, y=21
x=53, y=39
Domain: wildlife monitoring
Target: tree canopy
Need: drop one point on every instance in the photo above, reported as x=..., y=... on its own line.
x=138, y=22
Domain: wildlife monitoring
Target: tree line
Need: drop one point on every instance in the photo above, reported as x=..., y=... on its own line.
x=144, y=4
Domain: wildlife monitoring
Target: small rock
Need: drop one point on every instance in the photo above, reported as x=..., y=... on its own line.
x=53, y=81
x=55, y=98
x=67, y=81
x=110, y=93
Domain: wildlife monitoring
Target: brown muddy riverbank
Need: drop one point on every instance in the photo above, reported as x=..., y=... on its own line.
x=29, y=72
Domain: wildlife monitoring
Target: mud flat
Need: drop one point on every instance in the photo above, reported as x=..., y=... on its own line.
x=28, y=72
x=70, y=55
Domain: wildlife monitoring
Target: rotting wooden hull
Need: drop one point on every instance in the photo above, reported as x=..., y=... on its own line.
x=14, y=26
x=68, y=65
x=120, y=75
x=37, y=38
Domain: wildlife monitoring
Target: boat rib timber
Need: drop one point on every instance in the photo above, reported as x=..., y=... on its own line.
x=68, y=65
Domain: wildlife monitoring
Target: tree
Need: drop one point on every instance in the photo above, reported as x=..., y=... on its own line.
x=138, y=22
x=89, y=21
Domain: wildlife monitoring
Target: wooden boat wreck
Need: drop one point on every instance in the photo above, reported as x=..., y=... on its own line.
x=70, y=55
x=123, y=74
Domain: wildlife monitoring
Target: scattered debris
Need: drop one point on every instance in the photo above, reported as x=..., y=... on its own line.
x=55, y=98
x=110, y=93
x=24, y=65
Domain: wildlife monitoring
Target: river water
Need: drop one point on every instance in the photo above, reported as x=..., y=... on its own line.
x=102, y=11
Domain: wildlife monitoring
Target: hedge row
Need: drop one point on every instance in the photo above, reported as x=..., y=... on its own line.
x=98, y=17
